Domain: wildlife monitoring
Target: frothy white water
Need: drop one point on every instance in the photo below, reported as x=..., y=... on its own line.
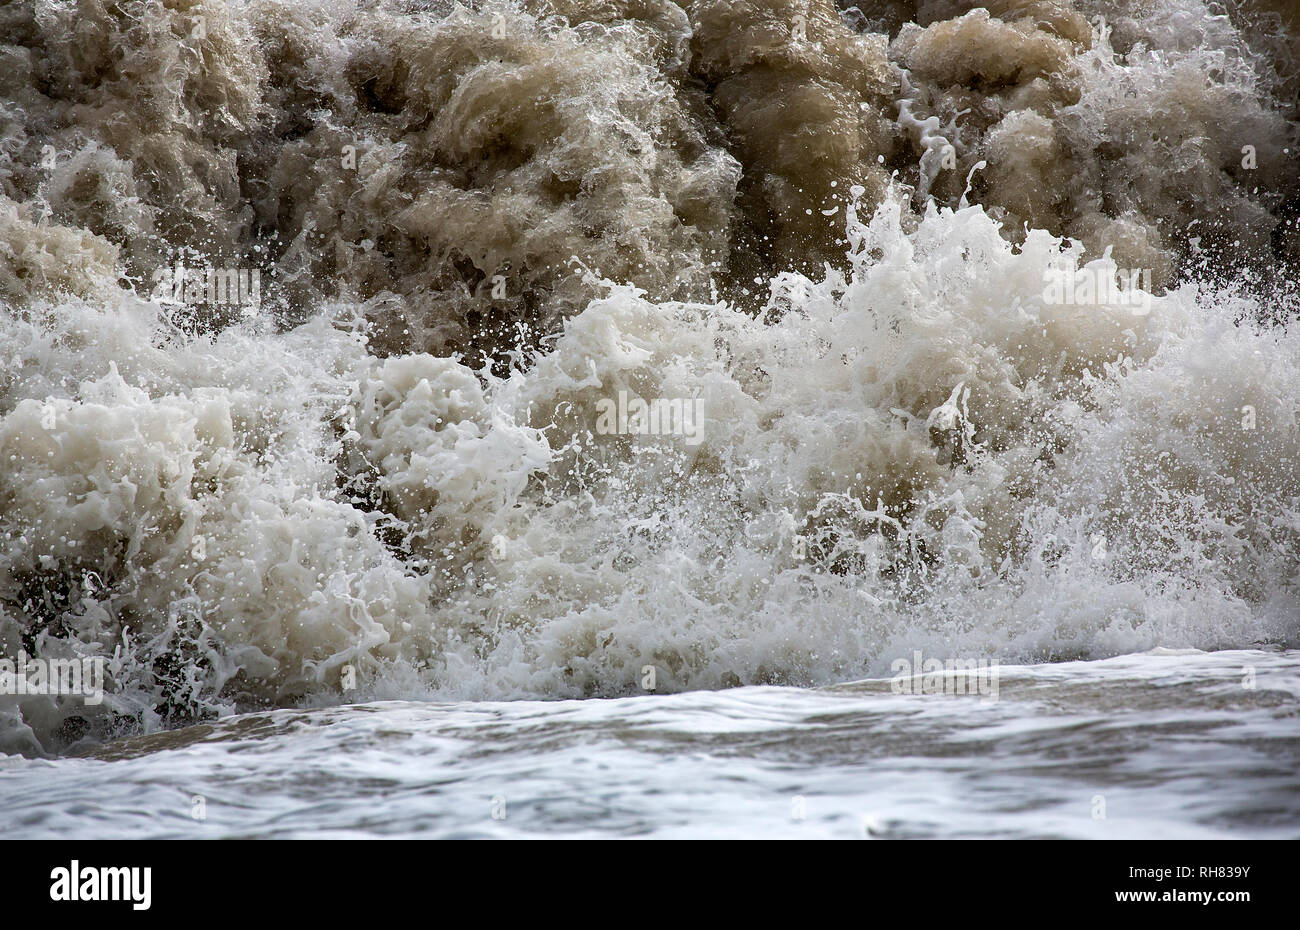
x=917, y=447
x=925, y=453
x=1150, y=746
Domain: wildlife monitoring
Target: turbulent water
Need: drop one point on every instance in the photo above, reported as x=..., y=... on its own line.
x=385, y=471
x=1152, y=746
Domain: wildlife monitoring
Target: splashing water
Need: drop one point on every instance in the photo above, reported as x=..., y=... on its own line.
x=481, y=229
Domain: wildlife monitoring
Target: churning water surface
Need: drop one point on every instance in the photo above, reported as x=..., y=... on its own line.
x=966, y=329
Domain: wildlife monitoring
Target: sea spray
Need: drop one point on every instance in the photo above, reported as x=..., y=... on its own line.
x=390, y=480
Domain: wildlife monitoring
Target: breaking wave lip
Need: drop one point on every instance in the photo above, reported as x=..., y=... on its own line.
x=947, y=435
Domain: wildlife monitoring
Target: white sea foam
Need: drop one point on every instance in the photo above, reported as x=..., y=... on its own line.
x=911, y=448
x=948, y=444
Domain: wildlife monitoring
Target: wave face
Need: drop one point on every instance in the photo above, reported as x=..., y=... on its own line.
x=858, y=259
